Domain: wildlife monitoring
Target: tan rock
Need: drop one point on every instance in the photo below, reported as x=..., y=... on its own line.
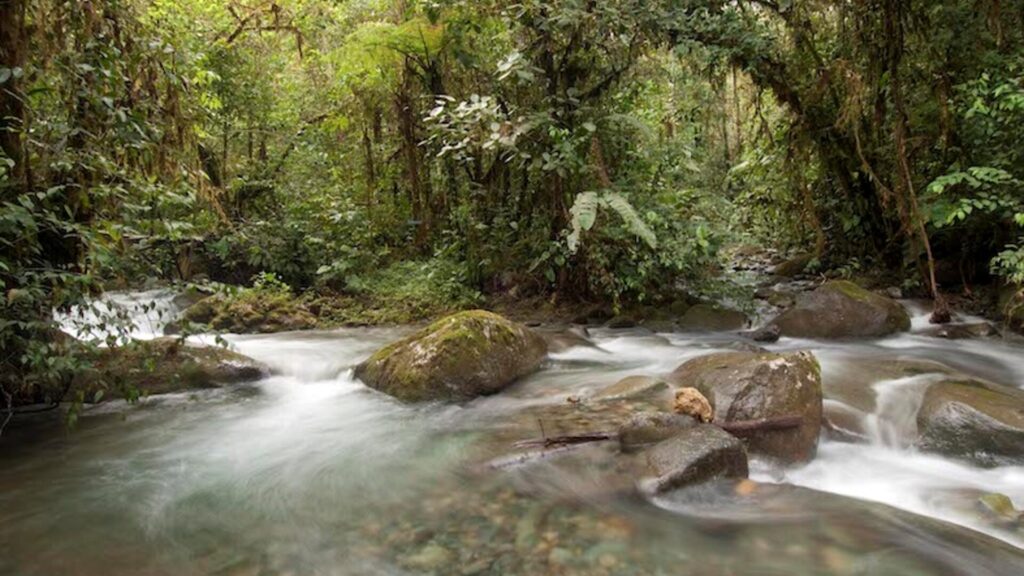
x=691, y=402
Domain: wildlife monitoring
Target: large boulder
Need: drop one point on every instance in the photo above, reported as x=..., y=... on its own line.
x=460, y=357
x=751, y=386
x=161, y=366
x=698, y=454
x=711, y=318
x=840, y=309
x=976, y=421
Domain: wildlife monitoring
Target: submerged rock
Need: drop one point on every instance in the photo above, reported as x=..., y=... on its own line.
x=972, y=420
x=839, y=309
x=460, y=357
x=711, y=318
x=701, y=453
x=748, y=386
x=561, y=340
x=164, y=365
x=769, y=333
x=633, y=387
x=963, y=331
x=844, y=423
x=999, y=508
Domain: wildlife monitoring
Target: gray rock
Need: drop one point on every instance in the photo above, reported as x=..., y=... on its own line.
x=701, y=453
x=840, y=309
x=769, y=333
x=793, y=266
x=972, y=420
x=561, y=340
x=647, y=428
x=712, y=318
x=622, y=321
x=745, y=386
x=963, y=331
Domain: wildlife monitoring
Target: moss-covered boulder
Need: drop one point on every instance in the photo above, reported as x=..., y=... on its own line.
x=972, y=420
x=460, y=357
x=841, y=309
x=749, y=386
x=711, y=318
x=251, y=311
x=161, y=366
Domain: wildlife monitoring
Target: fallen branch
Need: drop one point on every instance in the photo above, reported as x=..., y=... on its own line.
x=736, y=428
x=568, y=440
x=746, y=427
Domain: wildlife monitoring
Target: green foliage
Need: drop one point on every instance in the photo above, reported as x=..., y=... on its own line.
x=584, y=215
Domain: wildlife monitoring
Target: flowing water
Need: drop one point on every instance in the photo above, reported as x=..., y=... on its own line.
x=310, y=472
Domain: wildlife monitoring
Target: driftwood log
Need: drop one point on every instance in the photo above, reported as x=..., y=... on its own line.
x=738, y=428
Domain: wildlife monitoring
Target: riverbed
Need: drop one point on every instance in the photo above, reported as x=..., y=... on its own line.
x=310, y=472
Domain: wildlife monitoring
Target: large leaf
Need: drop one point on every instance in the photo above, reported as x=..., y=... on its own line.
x=584, y=214
x=634, y=223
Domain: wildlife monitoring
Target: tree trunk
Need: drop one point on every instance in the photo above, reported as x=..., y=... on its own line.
x=13, y=48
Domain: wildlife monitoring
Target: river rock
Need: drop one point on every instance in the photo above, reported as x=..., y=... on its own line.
x=711, y=318
x=769, y=333
x=973, y=420
x=840, y=309
x=164, y=365
x=695, y=455
x=1010, y=306
x=793, y=266
x=250, y=312
x=851, y=379
x=460, y=357
x=744, y=386
x=647, y=428
x=190, y=296
x=562, y=340
x=633, y=387
x=963, y=331
x=844, y=423
x=622, y=321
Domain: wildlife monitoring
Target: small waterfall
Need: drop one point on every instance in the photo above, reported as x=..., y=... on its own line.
x=894, y=421
x=139, y=315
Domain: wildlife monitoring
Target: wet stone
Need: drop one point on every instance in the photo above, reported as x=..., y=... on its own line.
x=648, y=428
x=693, y=456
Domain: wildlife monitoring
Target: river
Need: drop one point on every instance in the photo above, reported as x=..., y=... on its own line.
x=309, y=472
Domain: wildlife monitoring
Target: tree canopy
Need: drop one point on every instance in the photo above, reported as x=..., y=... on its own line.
x=578, y=149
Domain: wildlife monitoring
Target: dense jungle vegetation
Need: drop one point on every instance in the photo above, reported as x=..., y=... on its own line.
x=409, y=157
